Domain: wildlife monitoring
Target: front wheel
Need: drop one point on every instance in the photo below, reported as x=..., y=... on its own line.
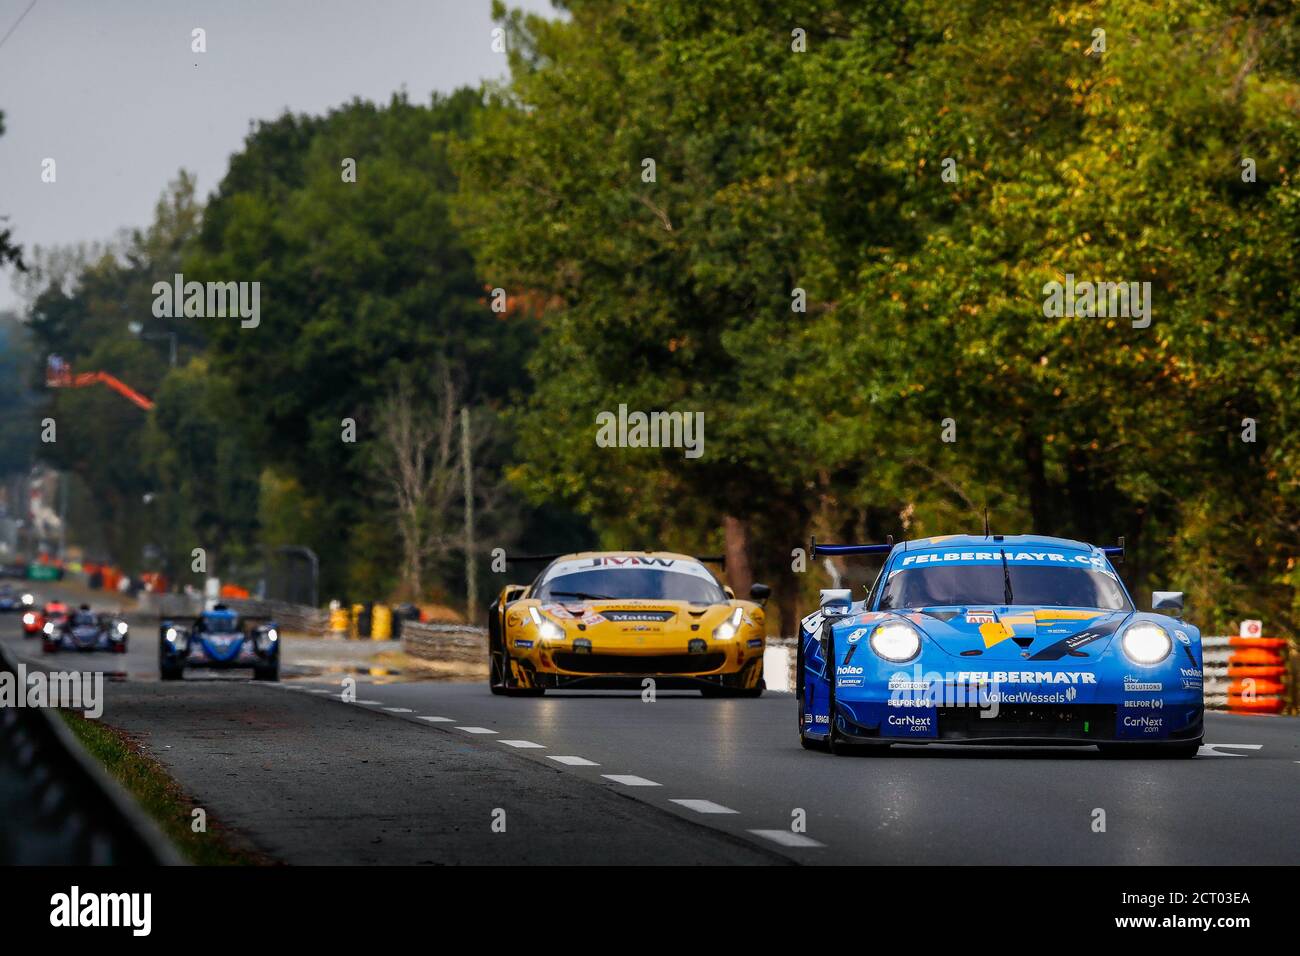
x=496, y=673
x=269, y=671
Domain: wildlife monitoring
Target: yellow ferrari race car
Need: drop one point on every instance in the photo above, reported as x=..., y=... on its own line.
x=613, y=618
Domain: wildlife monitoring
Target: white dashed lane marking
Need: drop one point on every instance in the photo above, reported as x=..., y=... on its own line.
x=629, y=780
x=399, y=710
x=703, y=806
x=571, y=761
x=786, y=838
x=523, y=744
x=372, y=703
x=438, y=720
x=1212, y=750
x=476, y=730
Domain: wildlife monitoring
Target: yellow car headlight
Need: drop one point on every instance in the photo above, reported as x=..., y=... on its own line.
x=547, y=629
x=728, y=628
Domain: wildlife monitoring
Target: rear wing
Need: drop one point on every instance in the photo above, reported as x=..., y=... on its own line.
x=1115, y=552
x=815, y=549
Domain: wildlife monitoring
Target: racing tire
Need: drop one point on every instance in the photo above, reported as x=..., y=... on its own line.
x=170, y=673
x=496, y=673
x=496, y=656
x=1182, y=749
x=271, y=672
x=499, y=679
x=808, y=743
x=836, y=743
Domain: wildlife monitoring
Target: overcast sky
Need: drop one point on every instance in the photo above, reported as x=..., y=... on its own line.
x=112, y=92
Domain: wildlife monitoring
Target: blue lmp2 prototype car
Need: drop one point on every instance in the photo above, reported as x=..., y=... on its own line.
x=221, y=639
x=998, y=639
x=85, y=630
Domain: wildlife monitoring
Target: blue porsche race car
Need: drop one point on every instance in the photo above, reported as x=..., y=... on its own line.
x=998, y=639
x=221, y=639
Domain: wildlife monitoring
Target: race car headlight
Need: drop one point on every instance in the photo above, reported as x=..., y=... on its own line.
x=1146, y=643
x=48, y=628
x=29, y=619
x=170, y=635
x=896, y=641
x=547, y=629
x=122, y=628
x=728, y=628
x=28, y=600
x=272, y=635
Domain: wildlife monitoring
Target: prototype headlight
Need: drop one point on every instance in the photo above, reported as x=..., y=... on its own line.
x=29, y=618
x=272, y=635
x=547, y=629
x=1146, y=643
x=728, y=628
x=896, y=641
x=49, y=627
x=28, y=600
x=122, y=628
x=171, y=635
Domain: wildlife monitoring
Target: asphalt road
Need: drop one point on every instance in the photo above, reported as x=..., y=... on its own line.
x=409, y=772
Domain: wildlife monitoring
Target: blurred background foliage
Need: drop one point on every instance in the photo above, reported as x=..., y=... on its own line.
x=775, y=169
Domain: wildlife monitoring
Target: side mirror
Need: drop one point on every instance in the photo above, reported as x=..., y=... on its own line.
x=760, y=593
x=1167, y=601
x=836, y=601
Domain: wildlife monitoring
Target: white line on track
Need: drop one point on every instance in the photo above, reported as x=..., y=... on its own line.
x=523, y=744
x=786, y=838
x=437, y=720
x=476, y=730
x=318, y=690
x=571, y=761
x=372, y=703
x=1212, y=750
x=703, y=806
x=399, y=710
x=629, y=780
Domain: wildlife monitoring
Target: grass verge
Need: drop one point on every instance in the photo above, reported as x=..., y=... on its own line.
x=159, y=796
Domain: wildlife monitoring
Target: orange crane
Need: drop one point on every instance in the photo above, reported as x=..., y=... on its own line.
x=59, y=374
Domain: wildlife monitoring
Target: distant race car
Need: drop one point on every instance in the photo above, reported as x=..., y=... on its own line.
x=219, y=638
x=85, y=630
x=614, y=618
x=1014, y=639
x=34, y=620
x=11, y=599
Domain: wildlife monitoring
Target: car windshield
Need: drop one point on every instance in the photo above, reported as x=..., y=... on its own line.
x=220, y=625
x=631, y=583
x=81, y=620
x=984, y=584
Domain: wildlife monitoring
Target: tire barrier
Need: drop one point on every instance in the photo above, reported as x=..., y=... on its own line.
x=445, y=642
x=1246, y=675
x=59, y=807
x=292, y=618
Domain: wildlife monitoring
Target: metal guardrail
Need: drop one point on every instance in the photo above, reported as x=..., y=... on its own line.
x=58, y=806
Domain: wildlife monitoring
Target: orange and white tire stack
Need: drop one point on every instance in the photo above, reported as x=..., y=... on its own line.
x=1247, y=674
